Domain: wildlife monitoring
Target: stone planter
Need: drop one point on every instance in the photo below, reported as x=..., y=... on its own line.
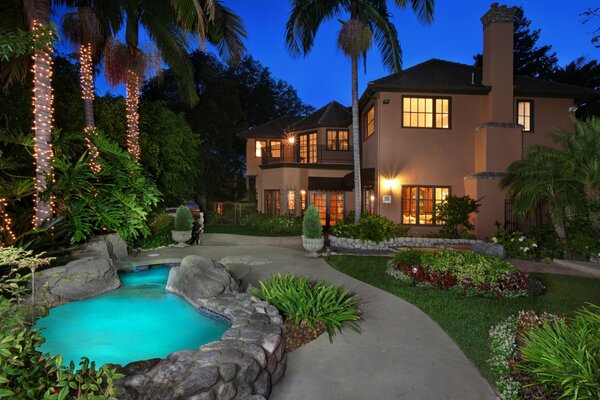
x=313, y=245
x=181, y=237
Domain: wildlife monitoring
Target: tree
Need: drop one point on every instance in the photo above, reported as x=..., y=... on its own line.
x=579, y=72
x=588, y=15
x=529, y=59
x=369, y=19
x=84, y=28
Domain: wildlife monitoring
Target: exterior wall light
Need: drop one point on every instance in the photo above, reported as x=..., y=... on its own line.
x=291, y=139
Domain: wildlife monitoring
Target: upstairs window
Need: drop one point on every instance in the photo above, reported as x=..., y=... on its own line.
x=260, y=145
x=525, y=114
x=337, y=140
x=426, y=112
x=369, y=122
x=275, y=147
x=307, y=149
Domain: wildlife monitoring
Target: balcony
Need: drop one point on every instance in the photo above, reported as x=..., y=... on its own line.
x=319, y=156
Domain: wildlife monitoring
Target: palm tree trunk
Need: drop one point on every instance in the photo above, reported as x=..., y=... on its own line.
x=133, y=100
x=86, y=77
x=558, y=223
x=42, y=119
x=356, y=141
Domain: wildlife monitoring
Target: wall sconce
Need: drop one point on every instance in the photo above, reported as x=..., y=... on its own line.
x=389, y=184
x=291, y=139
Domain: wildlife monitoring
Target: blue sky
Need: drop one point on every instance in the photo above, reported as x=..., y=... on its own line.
x=455, y=35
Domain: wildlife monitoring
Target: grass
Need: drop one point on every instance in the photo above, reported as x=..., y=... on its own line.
x=241, y=230
x=468, y=320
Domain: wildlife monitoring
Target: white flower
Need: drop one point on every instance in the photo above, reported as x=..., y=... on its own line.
x=494, y=239
x=512, y=239
x=526, y=249
x=521, y=238
x=534, y=245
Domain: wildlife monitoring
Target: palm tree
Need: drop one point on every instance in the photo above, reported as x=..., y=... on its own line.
x=84, y=28
x=369, y=19
x=169, y=24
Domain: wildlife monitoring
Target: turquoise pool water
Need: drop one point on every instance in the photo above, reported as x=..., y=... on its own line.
x=141, y=320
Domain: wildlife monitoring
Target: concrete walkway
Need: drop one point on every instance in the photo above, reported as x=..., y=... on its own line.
x=401, y=353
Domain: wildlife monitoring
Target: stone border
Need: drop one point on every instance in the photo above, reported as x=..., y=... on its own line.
x=248, y=360
x=392, y=244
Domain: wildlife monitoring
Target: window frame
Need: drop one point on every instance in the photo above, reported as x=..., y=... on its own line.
x=531, y=114
x=291, y=200
x=271, y=149
x=256, y=141
x=337, y=140
x=417, y=207
x=365, y=123
x=275, y=201
x=309, y=150
x=434, y=98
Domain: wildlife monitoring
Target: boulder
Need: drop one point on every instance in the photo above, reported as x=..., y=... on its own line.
x=79, y=279
x=104, y=246
x=200, y=277
x=489, y=249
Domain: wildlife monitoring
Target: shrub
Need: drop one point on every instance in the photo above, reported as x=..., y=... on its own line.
x=583, y=239
x=183, y=219
x=308, y=302
x=454, y=213
x=160, y=225
x=273, y=223
x=564, y=355
x=370, y=227
x=516, y=244
x=408, y=257
x=311, y=224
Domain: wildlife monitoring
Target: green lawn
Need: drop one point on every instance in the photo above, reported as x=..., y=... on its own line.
x=241, y=230
x=467, y=320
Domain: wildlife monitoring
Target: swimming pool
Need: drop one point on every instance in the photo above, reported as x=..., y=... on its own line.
x=138, y=321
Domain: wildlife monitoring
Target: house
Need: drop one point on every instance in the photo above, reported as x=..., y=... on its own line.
x=435, y=129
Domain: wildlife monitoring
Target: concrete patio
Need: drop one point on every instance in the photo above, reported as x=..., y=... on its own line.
x=401, y=353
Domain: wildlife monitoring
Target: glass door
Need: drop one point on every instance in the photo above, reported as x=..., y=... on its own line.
x=319, y=200
x=336, y=208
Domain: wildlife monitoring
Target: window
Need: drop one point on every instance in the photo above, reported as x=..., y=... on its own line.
x=308, y=148
x=330, y=206
x=302, y=201
x=275, y=147
x=337, y=140
x=272, y=202
x=291, y=202
x=426, y=112
x=369, y=122
x=260, y=145
x=525, y=114
x=420, y=202
x=369, y=201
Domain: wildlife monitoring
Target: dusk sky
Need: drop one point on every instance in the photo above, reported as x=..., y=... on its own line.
x=455, y=35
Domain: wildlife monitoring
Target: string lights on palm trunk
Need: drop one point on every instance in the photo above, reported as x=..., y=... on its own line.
x=6, y=223
x=86, y=77
x=43, y=100
x=133, y=100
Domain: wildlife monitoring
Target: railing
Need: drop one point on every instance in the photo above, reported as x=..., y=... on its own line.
x=512, y=222
x=321, y=155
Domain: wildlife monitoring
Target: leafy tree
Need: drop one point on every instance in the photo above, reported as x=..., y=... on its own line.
x=579, y=72
x=588, y=16
x=529, y=58
x=455, y=212
x=369, y=19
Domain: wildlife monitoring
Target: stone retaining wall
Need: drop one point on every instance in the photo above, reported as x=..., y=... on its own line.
x=391, y=244
x=248, y=360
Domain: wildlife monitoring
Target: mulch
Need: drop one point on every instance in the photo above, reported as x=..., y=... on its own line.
x=300, y=335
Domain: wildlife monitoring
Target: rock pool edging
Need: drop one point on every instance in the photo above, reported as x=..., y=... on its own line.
x=248, y=360
x=390, y=244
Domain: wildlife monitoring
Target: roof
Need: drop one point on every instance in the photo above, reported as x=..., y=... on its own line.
x=440, y=76
x=331, y=115
x=271, y=129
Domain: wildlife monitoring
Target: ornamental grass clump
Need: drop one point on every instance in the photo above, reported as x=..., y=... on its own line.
x=311, y=223
x=311, y=303
x=183, y=219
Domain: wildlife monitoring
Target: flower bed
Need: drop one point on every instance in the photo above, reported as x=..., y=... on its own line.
x=544, y=357
x=462, y=273
x=516, y=244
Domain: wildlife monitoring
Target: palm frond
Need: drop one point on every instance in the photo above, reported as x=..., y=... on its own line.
x=384, y=31
x=226, y=32
x=423, y=8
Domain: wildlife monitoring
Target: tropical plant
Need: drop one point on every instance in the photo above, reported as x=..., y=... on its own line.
x=564, y=355
x=117, y=199
x=369, y=20
x=311, y=223
x=183, y=219
x=306, y=302
x=454, y=212
x=516, y=244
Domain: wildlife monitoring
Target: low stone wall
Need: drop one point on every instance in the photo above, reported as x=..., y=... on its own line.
x=248, y=360
x=391, y=244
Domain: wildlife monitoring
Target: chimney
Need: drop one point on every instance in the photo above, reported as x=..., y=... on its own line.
x=498, y=61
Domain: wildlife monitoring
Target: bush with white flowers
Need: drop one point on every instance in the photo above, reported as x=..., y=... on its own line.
x=516, y=244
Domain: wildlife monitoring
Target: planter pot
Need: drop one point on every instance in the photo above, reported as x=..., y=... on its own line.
x=313, y=245
x=181, y=237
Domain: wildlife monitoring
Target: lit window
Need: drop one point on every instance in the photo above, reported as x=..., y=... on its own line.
x=291, y=202
x=337, y=140
x=260, y=144
x=275, y=147
x=302, y=201
x=308, y=148
x=426, y=112
x=419, y=204
x=369, y=201
x=525, y=114
x=369, y=122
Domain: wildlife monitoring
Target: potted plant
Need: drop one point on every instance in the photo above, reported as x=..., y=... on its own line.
x=184, y=221
x=312, y=231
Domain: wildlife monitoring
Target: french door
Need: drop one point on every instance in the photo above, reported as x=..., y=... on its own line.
x=330, y=206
